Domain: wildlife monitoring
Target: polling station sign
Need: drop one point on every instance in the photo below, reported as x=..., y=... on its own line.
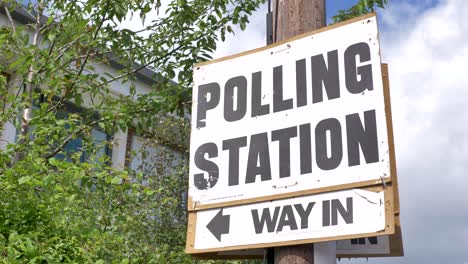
x=299, y=117
x=300, y=220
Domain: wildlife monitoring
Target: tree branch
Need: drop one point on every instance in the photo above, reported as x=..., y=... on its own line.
x=100, y=24
x=70, y=137
x=139, y=68
x=83, y=65
x=28, y=86
x=10, y=19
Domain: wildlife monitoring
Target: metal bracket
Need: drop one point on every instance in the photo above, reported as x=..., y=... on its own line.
x=383, y=182
x=269, y=28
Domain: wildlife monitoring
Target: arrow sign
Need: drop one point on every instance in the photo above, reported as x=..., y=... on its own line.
x=219, y=225
x=305, y=219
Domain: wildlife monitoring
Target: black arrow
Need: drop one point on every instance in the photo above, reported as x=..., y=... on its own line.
x=219, y=225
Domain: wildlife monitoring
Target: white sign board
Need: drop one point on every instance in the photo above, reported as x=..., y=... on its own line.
x=321, y=216
x=379, y=245
x=299, y=117
x=360, y=247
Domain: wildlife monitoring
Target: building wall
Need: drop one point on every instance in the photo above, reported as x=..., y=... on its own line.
x=123, y=142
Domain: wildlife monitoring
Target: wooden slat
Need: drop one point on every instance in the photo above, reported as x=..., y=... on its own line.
x=389, y=229
x=193, y=206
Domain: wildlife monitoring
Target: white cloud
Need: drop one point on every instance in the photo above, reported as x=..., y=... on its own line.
x=253, y=37
x=427, y=52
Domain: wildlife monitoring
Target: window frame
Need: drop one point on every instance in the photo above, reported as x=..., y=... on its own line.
x=71, y=108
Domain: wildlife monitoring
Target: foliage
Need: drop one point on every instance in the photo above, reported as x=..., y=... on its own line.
x=361, y=8
x=66, y=212
x=63, y=204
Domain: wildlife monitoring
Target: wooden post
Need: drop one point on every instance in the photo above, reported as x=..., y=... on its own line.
x=301, y=254
x=294, y=17
x=290, y=18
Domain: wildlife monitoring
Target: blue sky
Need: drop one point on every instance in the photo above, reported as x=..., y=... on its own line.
x=334, y=5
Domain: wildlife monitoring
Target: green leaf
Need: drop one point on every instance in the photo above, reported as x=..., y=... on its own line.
x=54, y=162
x=116, y=180
x=24, y=179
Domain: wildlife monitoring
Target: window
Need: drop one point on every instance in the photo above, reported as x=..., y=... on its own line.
x=7, y=129
x=99, y=137
x=149, y=156
x=4, y=79
x=158, y=164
